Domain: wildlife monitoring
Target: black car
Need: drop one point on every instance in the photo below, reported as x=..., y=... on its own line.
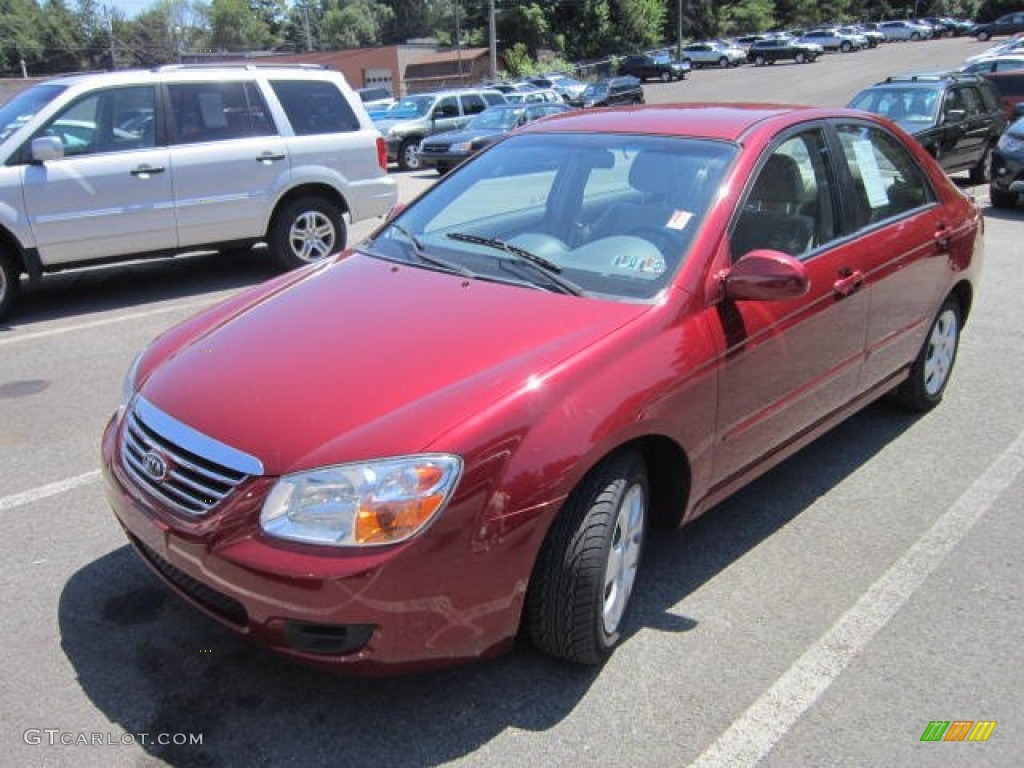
x=1010, y=24
x=781, y=49
x=1008, y=167
x=656, y=66
x=444, y=151
x=611, y=92
x=956, y=116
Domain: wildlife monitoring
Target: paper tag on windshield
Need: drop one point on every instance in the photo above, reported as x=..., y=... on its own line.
x=679, y=220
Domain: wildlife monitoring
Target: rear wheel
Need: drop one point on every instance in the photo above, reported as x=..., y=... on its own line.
x=9, y=284
x=666, y=76
x=723, y=62
x=305, y=230
x=983, y=36
x=846, y=47
x=930, y=373
x=915, y=36
x=583, y=579
x=800, y=58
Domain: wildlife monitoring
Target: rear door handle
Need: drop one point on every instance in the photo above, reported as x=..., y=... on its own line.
x=850, y=281
x=145, y=171
x=270, y=157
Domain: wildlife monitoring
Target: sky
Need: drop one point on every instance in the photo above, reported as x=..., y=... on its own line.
x=130, y=8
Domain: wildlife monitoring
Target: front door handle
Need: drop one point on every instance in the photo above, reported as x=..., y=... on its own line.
x=270, y=157
x=942, y=237
x=849, y=282
x=145, y=171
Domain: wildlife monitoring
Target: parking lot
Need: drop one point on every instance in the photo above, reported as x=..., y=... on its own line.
x=824, y=616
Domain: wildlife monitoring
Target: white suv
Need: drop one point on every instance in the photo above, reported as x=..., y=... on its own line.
x=127, y=164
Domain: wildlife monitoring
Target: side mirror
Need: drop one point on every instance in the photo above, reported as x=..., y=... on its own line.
x=47, y=148
x=765, y=275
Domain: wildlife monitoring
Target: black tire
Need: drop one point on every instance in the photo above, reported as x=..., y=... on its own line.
x=586, y=569
x=306, y=230
x=723, y=62
x=759, y=60
x=846, y=47
x=983, y=36
x=666, y=77
x=10, y=284
x=409, y=155
x=442, y=169
x=800, y=58
x=915, y=36
x=931, y=371
x=979, y=174
x=1002, y=198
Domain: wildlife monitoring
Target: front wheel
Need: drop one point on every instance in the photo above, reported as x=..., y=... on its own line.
x=846, y=47
x=915, y=36
x=666, y=77
x=1002, y=198
x=409, y=155
x=9, y=284
x=930, y=372
x=723, y=62
x=305, y=230
x=800, y=58
x=983, y=36
x=584, y=576
x=759, y=60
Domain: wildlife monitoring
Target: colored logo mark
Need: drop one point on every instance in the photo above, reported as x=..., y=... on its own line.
x=958, y=730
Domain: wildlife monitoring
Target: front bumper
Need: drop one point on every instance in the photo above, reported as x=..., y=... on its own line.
x=434, y=159
x=439, y=599
x=1007, y=172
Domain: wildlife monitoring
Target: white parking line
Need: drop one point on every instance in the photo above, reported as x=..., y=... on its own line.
x=110, y=320
x=45, y=491
x=762, y=726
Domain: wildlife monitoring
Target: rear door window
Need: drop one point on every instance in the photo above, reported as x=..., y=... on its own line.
x=315, y=107
x=221, y=111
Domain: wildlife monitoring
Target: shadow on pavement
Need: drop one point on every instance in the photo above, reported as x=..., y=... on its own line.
x=152, y=664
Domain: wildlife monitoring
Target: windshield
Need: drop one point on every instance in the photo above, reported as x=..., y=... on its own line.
x=499, y=119
x=23, y=107
x=604, y=215
x=595, y=90
x=414, y=106
x=907, y=106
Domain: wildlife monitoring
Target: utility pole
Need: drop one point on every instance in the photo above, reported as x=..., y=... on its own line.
x=305, y=17
x=492, y=35
x=679, y=31
x=458, y=41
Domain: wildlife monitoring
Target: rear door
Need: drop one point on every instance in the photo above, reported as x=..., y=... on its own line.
x=227, y=158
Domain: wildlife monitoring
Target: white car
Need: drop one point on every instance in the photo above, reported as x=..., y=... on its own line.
x=904, y=30
x=101, y=167
x=1002, y=63
x=1013, y=45
x=713, y=54
x=834, y=40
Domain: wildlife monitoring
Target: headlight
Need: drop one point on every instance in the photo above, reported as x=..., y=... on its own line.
x=365, y=503
x=1011, y=144
x=461, y=148
x=129, y=384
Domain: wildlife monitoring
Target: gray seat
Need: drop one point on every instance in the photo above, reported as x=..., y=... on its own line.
x=771, y=218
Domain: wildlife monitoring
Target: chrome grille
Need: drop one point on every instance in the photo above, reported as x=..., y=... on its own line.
x=183, y=468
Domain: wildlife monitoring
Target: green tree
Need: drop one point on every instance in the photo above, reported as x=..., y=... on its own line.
x=353, y=23
x=639, y=23
x=748, y=16
x=235, y=26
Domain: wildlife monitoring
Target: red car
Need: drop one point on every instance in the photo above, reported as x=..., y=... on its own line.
x=467, y=425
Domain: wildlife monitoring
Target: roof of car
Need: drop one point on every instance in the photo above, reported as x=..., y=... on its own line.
x=712, y=121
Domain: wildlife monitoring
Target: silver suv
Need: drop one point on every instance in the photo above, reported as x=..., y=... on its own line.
x=156, y=162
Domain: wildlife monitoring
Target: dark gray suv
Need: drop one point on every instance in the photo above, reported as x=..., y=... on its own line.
x=956, y=116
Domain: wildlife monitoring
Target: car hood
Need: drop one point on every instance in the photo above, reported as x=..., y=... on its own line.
x=367, y=358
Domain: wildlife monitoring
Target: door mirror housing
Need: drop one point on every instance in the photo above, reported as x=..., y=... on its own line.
x=956, y=115
x=46, y=148
x=765, y=275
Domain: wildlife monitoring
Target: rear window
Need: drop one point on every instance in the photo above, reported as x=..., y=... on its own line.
x=315, y=107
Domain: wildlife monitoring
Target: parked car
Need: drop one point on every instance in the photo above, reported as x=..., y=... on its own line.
x=180, y=159
x=957, y=117
x=1008, y=24
x=867, y=38
x=641, y=311
x=1013, y=45
x=567, y=87
x=375, y=98
x=1007, y=181
x=1004, y=63
x=536, y=96
x=614, y=91
x=834, y=40
x=904, y=30
x=444, y=151
x=1010, y=85
x=714, y=54
x=415, y=117
x=653, y=66
x=776, y=49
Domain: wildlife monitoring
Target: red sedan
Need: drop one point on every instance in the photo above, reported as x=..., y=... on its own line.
x=467, y=425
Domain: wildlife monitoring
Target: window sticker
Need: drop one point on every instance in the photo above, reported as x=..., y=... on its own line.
x=678, y=220
x=874, y=184
x=651, y=265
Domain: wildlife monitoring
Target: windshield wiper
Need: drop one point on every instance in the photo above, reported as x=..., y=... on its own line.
x=420, y=253
x=550, y=271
